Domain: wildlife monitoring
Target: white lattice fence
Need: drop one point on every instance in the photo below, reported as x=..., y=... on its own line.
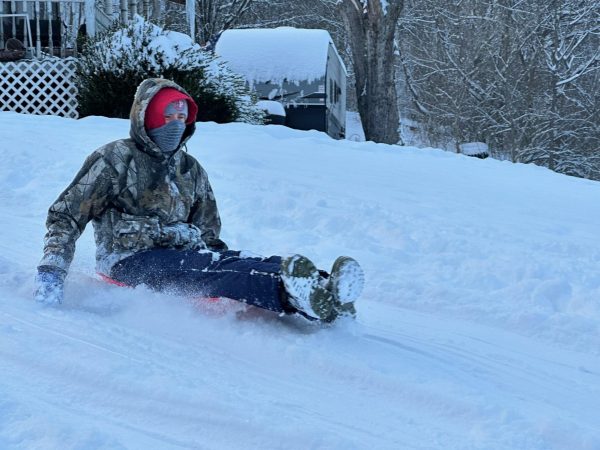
x=44, y=86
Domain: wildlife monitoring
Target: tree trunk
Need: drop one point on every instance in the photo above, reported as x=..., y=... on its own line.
x=372, y=29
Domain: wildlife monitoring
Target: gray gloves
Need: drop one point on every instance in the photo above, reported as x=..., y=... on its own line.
x=49, y=283
x=183, y=236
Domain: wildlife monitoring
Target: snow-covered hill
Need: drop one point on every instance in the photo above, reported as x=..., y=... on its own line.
x=479, y=327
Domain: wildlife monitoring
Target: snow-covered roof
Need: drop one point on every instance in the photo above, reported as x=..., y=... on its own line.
x=272, y=107
x=275, y=54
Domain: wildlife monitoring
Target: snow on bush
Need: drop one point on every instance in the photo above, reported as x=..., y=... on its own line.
x=114, y=63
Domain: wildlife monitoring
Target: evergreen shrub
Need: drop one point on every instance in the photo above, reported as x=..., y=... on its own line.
x=115, y=62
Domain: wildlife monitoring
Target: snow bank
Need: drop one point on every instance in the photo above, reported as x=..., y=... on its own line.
x=479, y=326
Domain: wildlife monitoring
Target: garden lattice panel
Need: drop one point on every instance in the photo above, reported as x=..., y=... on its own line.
x=39, y=87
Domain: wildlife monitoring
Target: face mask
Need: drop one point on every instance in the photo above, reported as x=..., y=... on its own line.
x=168, y=136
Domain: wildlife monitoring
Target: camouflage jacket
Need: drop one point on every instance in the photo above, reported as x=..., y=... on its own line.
x=136, y=197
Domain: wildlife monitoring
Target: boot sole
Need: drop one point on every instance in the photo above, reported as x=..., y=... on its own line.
x=347, y=280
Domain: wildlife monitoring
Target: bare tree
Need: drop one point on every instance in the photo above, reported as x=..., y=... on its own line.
x=521, y=76
x=569, y=36
x=371, y=26
x=215, y=16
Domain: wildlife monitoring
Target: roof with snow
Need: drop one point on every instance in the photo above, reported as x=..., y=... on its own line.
x=275, y=54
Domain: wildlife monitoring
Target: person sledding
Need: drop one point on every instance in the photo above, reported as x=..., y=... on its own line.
x=156, y=223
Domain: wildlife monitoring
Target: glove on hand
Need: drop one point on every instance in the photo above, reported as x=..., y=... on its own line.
x=182, y=235
x=49, y=283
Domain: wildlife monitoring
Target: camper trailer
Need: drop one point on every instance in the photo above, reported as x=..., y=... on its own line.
x=299, y=68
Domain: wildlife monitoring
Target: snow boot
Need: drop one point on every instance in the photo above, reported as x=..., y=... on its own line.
x=345, y=282
x=305, y=293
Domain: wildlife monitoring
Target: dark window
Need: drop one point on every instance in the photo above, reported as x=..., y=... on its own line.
x=334, y=91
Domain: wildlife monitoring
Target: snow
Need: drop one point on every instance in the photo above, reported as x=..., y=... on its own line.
x=275, y=54
x=271, y=107
x=474, y=148
x=164, y=47
x=479, y=326
x=354, y=129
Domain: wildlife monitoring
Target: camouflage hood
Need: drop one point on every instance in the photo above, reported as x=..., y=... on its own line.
x=144, y=94
x=137, y=198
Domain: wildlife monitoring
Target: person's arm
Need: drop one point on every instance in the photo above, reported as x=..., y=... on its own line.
x=205, y=215
x=85, y=198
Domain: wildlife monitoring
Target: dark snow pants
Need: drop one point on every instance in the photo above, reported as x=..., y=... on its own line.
x=252, y=280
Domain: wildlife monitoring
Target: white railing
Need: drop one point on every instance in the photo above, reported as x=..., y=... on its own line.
x=49, y=26
x=39, y=86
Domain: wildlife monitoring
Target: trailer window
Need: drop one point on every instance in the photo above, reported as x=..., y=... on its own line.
x=331, y=95
x=334, y=91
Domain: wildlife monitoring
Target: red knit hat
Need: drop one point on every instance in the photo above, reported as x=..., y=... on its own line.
x=155, y=118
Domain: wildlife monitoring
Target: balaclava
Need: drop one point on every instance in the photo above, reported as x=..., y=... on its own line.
x=167, y=136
